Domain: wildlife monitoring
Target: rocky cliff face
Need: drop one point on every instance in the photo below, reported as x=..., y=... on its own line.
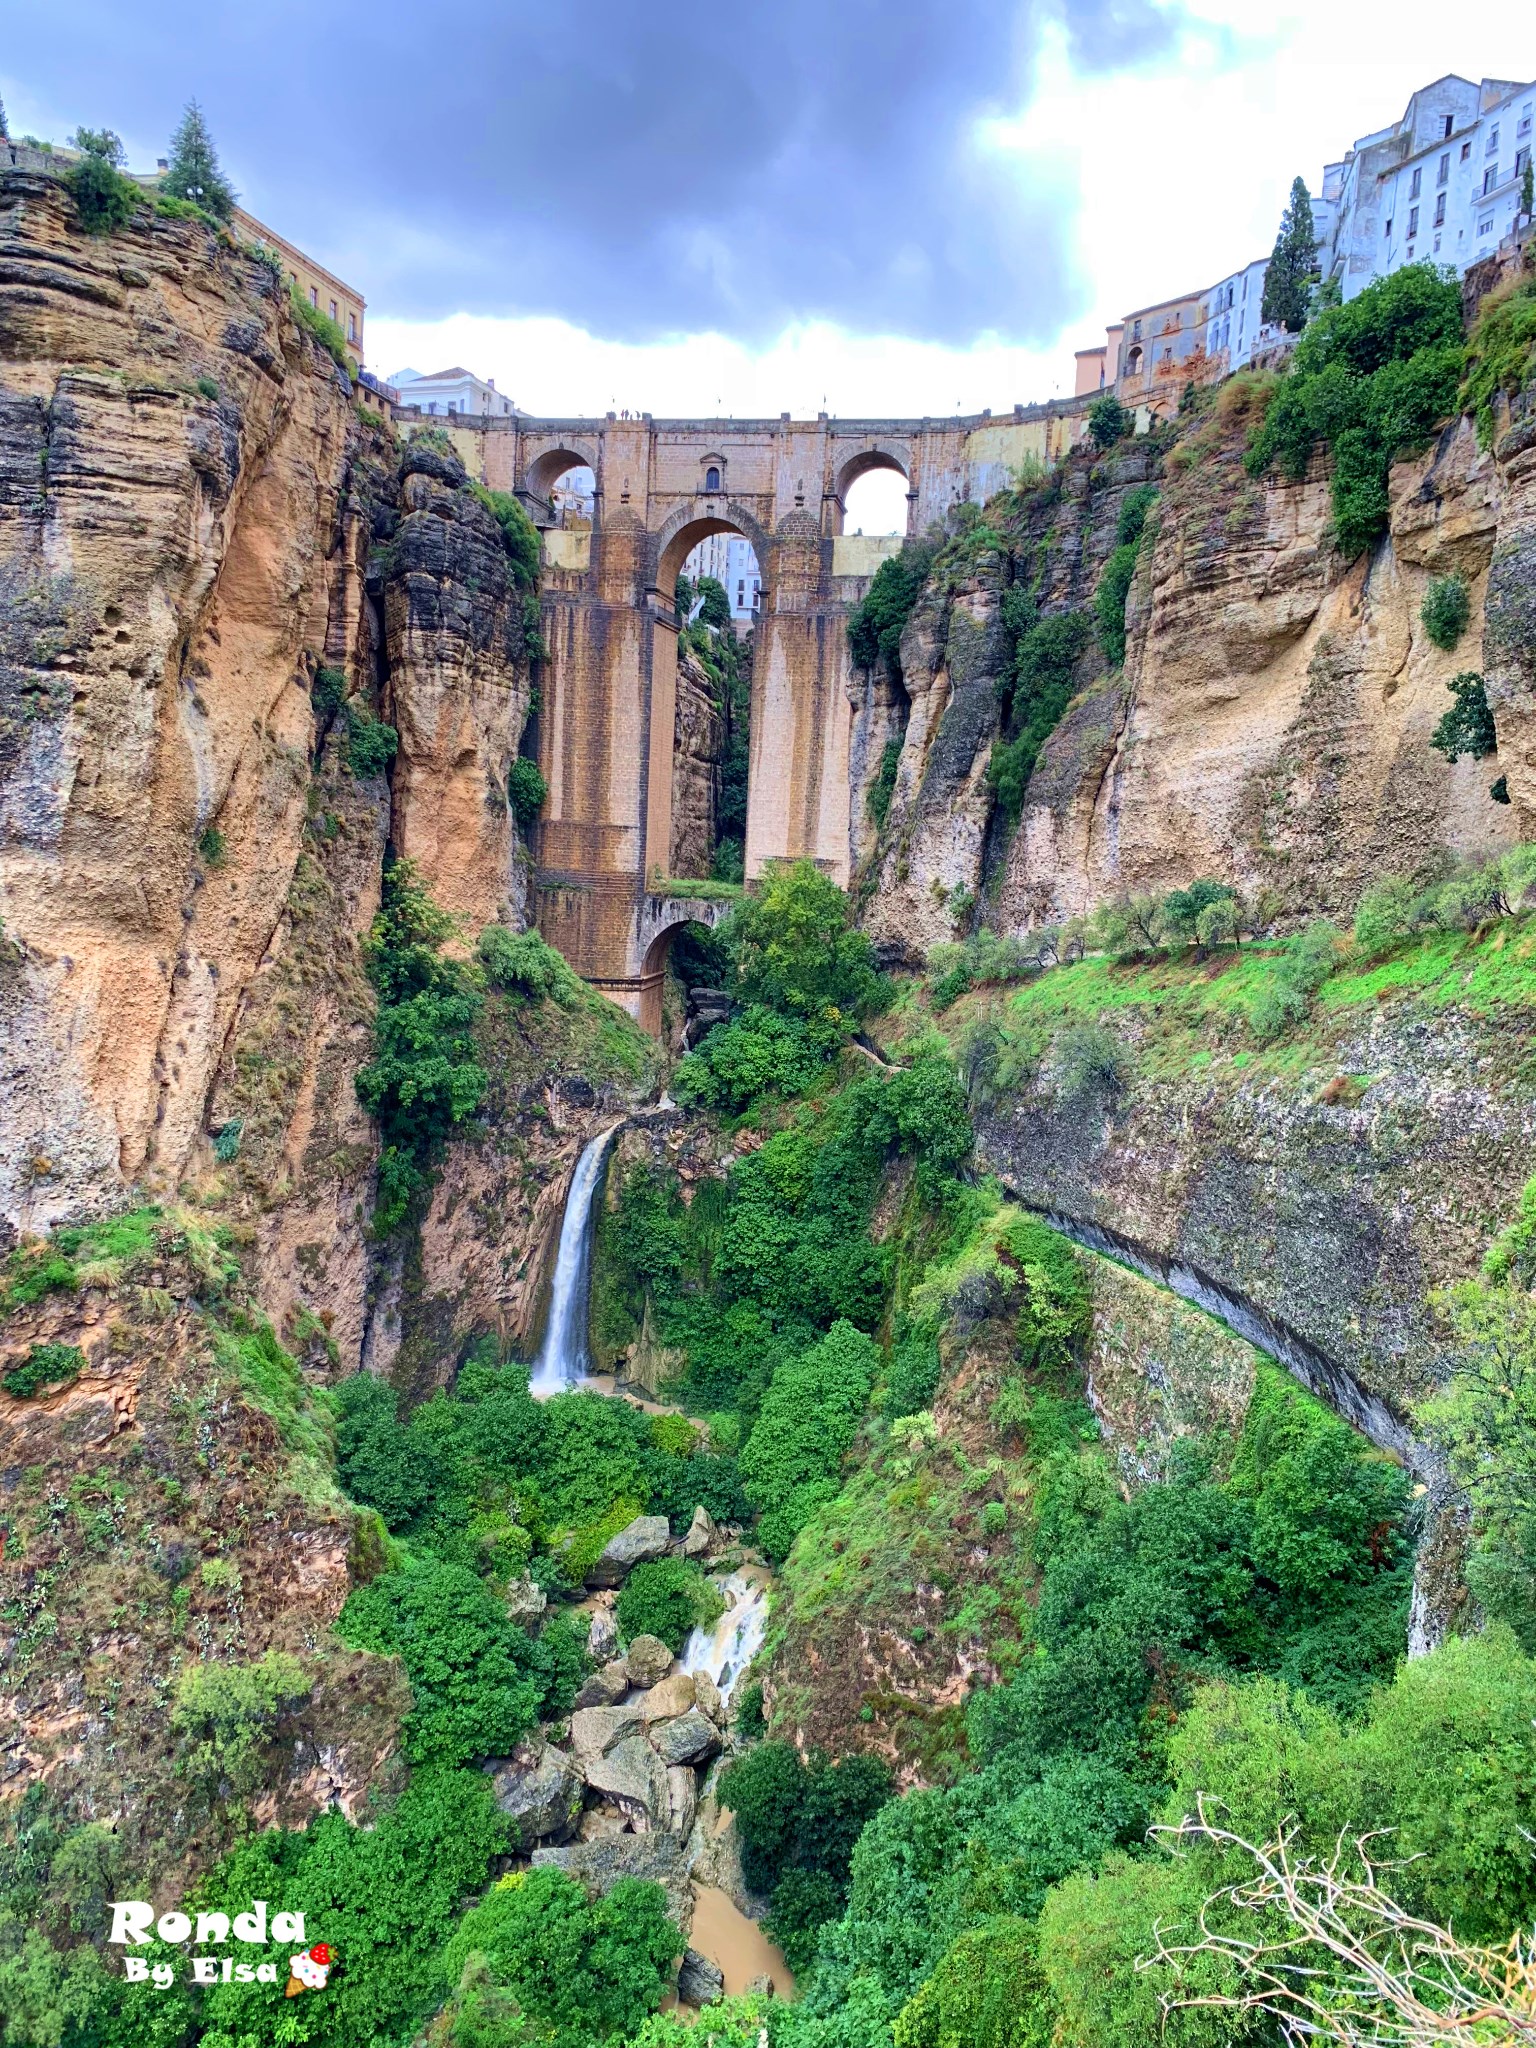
x=1270, y=726
x=216, y=572
x=697, y=760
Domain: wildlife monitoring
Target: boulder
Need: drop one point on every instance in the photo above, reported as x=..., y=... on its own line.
x=604, y=1688
x=701, y=1533
x=526, y=1602
x=690, y=1739
x=602, y=1823
x=762, y=1986
x=674, y=1695
x=649, y=1660
x=707, y=1694
x=602, y=1635
x=539, y=1790
x=633, y=1776
x=682, y=1798
x=646, y=1537
x=660, y=1858
x=699, y=1981
x=595, y=1730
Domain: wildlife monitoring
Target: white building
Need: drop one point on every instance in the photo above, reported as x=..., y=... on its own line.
x=732, y=562
x=1442, y=185
x=1235, y=327
x=456, y=390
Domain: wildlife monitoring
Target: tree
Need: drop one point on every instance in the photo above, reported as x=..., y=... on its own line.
x=667, y=1597
x=580, y=1969
x=194, y=174
x=810, y=1413
x=1527, y=188
x=4, y=131
x=1467, y=728
x=1288, y=280
x=98, y=142
x=1108, y=421
x=795, y=951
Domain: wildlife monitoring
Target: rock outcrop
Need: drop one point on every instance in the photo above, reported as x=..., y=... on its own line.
x=697, y=761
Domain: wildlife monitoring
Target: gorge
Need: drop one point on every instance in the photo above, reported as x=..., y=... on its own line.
x=559, y=1404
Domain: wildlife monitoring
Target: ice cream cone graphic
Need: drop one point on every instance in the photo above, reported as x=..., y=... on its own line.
x=308, y=1972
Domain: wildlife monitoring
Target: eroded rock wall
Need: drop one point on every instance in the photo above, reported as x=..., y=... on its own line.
x=698, y=758
x=1271, y=723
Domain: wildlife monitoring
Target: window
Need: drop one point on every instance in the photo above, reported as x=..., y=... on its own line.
x=1388, y=231
x=1440, y=211
x=351, y=327
x=314, y=298
x=712, y=478
x=1466, y=151
x=1491, y=148
x=1135, y=330
x=1446, y=131
x=1485, y=227
x=1524, y=127
x=1413, y=222
x=1522, y=158
x=1413, y=189
x=333, y=309
x=1445, y=169
x=1490, y=178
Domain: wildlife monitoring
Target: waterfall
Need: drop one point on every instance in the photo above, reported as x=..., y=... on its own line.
x=563, y=1358
x=726, y=1649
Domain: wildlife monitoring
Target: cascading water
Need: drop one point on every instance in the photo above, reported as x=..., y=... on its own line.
x=563, y=1359
x=726, y=1649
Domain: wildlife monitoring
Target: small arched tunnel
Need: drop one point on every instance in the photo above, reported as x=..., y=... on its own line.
x=679, y=931
x=546, y=470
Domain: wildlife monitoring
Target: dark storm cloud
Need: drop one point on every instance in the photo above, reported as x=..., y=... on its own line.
x=637, y=166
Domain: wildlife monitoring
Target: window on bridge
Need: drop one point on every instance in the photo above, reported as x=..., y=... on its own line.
x=876, y=503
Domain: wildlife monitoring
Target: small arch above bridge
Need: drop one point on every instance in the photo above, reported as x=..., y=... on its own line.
x=685, y=527
x=542, y=474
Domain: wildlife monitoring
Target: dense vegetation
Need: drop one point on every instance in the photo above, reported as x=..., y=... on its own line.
x=1373, y=379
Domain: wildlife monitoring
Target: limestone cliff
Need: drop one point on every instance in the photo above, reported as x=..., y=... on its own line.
x=698, y=759
x=1270, y=725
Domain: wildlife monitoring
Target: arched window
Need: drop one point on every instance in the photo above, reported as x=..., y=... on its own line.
x=711, y=478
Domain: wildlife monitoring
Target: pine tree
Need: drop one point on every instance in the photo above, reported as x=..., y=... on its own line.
x=1527, y=187
x=4, y=131
x=194, y=174
x=1288, y=280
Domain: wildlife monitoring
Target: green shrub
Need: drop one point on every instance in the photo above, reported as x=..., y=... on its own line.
x=1446, y=609
x=986, y=1991
x=476, y=1687
x=518, y=532
x=1468, y=727
x=1109, y=601
x=876, y=627
x=226, y=1140
x=229, y=1715
x=1108, y=421
x=328, y=690
x=667, y=1597
x=575, y=1969
x=525, y=964
x=1373, y=378
x=794, y=949
x=1039, y=690
x=1089, y=1060
x=104, y=199
x=371, y=744
x=883, y=788
x=1501, y=354
x=526, y=790
x=211, y=847
x=45, y=1365
x=321, y=328
x=424, y=1078
x=755, y=1057
x=1296, y=971
x=799, y=1819
x=792, y=1459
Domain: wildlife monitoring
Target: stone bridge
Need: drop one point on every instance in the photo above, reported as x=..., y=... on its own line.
x=605, y=728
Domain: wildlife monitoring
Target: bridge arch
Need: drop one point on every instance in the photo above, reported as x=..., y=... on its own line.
x=684, y=528
x=545, y=470
x=661, y=919
x=892, y=457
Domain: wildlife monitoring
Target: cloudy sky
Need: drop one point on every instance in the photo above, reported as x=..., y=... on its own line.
x=873, y=205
